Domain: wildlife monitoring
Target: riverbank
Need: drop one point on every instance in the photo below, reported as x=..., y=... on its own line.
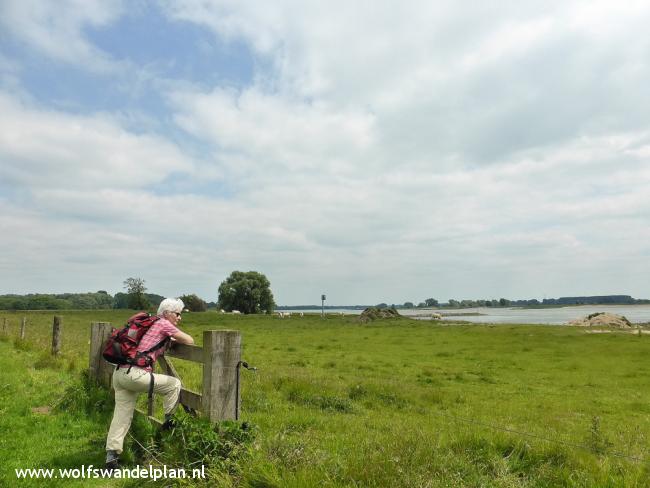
x=515, y=315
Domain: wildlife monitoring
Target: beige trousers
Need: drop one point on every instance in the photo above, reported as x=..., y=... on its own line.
x=127, y=388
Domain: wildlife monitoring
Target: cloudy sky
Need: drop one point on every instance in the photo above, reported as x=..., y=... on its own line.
x=373, y=150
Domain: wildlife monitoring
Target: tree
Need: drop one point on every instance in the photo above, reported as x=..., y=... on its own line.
x=408, y=305
x=135, y=289
x=121, y=300
x=153, y=299
x=248, y=292
x=193, y=303
x=431, y=302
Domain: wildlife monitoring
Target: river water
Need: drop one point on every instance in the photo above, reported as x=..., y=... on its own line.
x=562, y=315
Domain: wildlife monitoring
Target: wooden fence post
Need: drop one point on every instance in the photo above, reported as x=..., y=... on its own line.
x=99, y=370
x=56, y=335
x=22, y=328
x=221, y=355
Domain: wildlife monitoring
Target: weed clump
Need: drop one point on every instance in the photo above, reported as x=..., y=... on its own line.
x=85, y=397
x=47, y=360
x=22, y=345
x=373, y=395
x=195, y=441
x=597, y=442
x=309, y=396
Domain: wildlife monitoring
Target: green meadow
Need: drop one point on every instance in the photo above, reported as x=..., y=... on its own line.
x=338, y=403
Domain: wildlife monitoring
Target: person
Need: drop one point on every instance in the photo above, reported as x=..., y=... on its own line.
x=129, y=381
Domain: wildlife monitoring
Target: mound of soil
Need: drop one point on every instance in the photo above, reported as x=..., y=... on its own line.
x=603, y=319
x=374, y=313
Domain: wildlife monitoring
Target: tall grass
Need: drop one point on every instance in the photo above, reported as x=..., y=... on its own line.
x=408, y=403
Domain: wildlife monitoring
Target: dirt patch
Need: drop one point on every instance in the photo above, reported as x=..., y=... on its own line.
x=42, y=410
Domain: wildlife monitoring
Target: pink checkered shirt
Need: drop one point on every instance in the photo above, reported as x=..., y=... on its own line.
x=159, y=330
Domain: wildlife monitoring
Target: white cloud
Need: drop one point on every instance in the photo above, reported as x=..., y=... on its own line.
x=261, y=130
x=40, y=147
x=56, y=28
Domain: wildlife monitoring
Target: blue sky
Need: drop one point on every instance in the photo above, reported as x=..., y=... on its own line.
x=382, y=152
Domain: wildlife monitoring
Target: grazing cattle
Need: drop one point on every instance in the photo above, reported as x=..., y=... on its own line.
x=436, y=316
x=235, y=312
x=302, y=314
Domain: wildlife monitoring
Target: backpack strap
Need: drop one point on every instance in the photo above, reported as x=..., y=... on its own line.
x=145, y=354
x=157, y=346
x=150, y=385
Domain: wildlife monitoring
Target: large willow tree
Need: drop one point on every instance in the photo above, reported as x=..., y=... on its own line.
x=248, y=292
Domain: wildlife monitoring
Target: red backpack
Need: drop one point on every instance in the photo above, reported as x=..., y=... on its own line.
x=121, y=346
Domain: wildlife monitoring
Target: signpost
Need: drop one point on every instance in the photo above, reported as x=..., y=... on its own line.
x=322, y=307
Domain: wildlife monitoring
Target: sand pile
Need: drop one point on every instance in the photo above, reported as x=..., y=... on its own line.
x=374, y=313
x=600, y=319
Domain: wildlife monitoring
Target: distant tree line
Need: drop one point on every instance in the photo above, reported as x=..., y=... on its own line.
x=99, y=300
x=246, y=292
x=599, y=300
x=533, y=302
x=33, y=301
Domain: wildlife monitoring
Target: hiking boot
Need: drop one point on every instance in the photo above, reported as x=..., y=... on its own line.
x=169, y=422
x=112, y=465
x=112, y=460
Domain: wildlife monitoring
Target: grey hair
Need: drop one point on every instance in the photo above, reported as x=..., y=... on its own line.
x=171, y=305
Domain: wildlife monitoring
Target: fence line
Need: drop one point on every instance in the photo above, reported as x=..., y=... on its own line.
x=57, y=327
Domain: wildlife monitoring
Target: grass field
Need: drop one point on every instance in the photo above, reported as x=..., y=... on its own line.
x=398, y=402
